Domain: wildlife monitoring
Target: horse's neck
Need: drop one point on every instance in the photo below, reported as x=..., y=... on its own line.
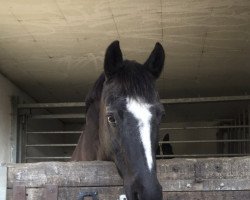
x=88, y=143
x=92, y=129
x=92, y=116
x=95, y=133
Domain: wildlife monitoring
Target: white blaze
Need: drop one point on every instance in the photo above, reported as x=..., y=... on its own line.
x=140, y=111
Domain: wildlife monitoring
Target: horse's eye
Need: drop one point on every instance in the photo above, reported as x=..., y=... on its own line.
x=111, y=119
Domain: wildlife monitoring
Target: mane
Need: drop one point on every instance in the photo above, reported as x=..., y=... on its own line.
x=96, y=92
x=135, y=81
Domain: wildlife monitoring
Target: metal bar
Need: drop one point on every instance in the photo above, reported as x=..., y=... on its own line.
x=19, y=192
x=201, y=141
x=230, y=146
x=205, y=99
x=45, y=157
x=248, y=130
x=200, y=155
x=3, y=182
x=241, y=132
x=244, y=130
x=205, y=127
x=165, y=101
x=58, y=116
x=51, y=192
x=22, y=126
x=25, y=138
x=51, y=105
x=234, y=137
x=51, y=145
x=54, y=132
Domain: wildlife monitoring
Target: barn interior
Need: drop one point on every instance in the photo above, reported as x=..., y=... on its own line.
x=51, y=53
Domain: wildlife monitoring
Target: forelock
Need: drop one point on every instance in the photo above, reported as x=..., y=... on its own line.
x=134, y=81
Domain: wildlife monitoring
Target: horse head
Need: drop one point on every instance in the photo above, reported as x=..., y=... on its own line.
x=129, y=119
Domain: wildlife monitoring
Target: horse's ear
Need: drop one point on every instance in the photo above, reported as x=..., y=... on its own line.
x=113, y=59
x=155, y=61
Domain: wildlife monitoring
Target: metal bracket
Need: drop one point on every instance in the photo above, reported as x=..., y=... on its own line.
x=94, y=195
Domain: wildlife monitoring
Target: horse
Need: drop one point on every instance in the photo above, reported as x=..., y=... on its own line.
x=123, y=114
x=165, y=149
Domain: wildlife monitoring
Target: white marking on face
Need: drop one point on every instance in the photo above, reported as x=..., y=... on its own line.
x=140, y=111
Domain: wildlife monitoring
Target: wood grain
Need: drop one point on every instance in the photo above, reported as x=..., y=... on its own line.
x=112, y=193
x=174, y=175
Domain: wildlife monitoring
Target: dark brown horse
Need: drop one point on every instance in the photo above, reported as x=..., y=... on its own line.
x=122, y=121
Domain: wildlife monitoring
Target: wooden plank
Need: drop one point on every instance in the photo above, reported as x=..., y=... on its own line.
x=112, y=193
x=205, y=174
x=214, y=195
x=51, y=192
x=72, y=193
x=19, y=192
x=94, y=173
x=3, y=181
x=174, y=175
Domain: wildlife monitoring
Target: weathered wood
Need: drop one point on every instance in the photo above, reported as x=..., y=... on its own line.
x=112, y=193
x=72, y=193
x=174, y=175
x=215, y=195
x=64, y=174
x=51, y=192
x=205, y=174
x=209, y=179
x=19, y=192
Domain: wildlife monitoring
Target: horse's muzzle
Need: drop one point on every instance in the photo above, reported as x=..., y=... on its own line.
x=147, y=190
x=152, y=193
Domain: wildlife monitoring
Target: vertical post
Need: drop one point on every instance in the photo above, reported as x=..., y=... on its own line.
x=3, y=182
x=229, y=137
x=239, y=135
x=244, y=132
x=219, y=136
x=23, y=137
x=248, y=129
x=235, y=133
x=14, y=129
x=226, y=144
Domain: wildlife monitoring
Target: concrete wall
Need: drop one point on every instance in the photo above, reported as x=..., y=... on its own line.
x=7, y=90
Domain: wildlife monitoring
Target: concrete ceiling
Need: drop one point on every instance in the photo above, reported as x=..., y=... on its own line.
x=53, y=49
